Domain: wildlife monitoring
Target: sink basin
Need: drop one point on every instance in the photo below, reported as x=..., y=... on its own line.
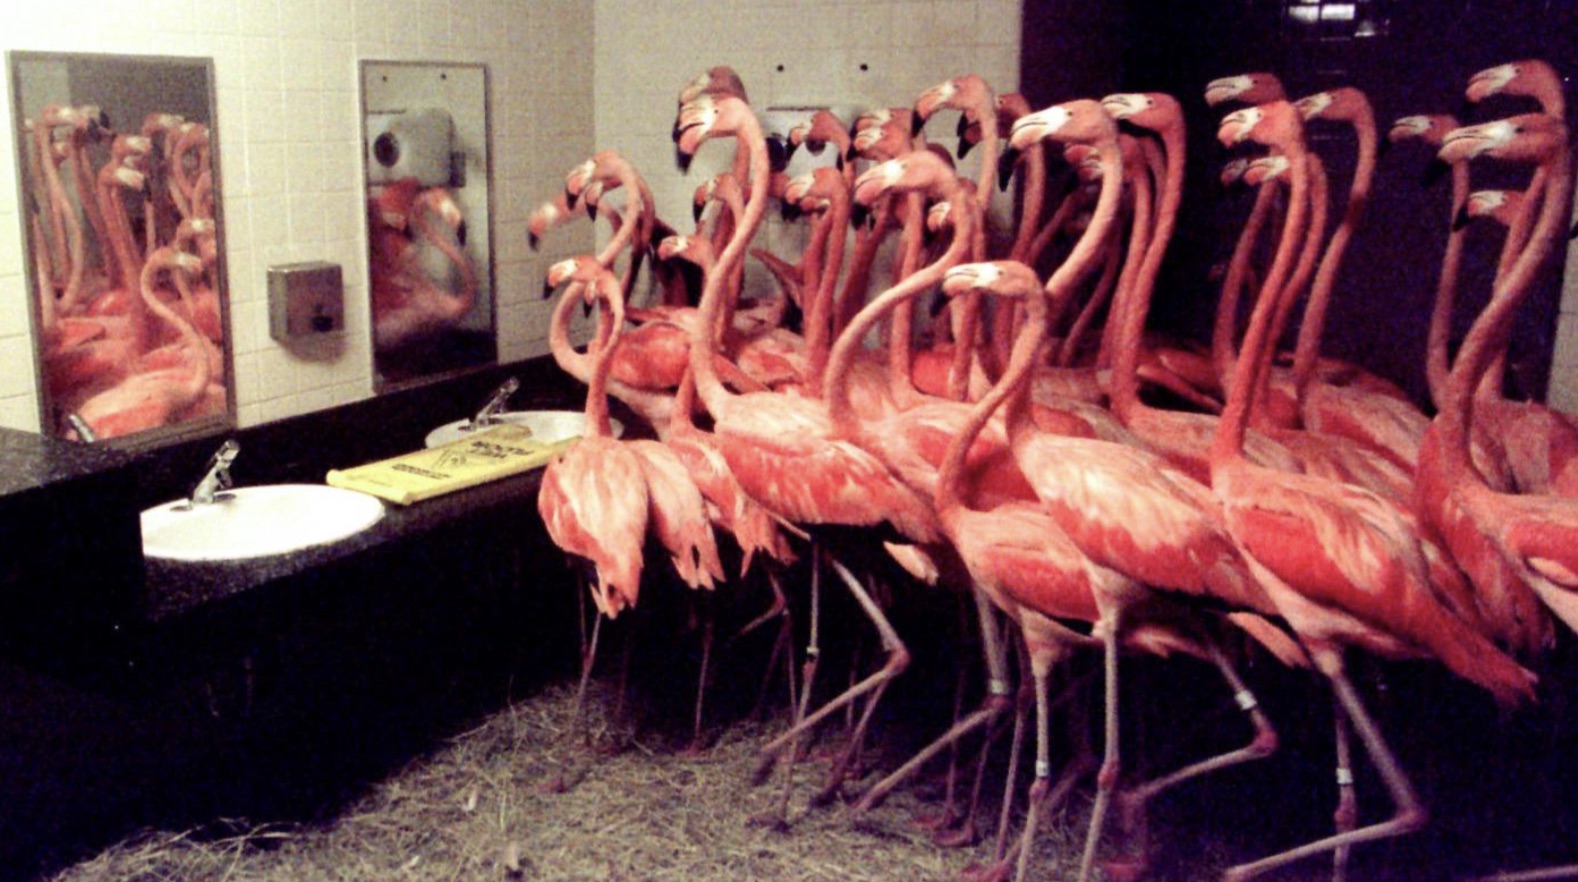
x=256, y=522
x=546, y=426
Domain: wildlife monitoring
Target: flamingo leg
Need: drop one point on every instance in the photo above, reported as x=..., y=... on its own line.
x=1347, y=814
x=1040, y=668
x=588, y=659
x=1544, y=874
x=813, y=653
x=898, y=660
x=1409, y=814
x=994, y=649
x=701, y=679
x=1107, y=778
x=1262, y=745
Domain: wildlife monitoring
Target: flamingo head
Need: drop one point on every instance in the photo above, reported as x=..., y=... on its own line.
x=1273, y=124
x=543, y=218
x=698, y=120
x=1250, y=88
x=1081, y=121
x=718, y=80
x=1527, y=137
x=396, y=200
x=1156, y=111
x=578, y=178
x=1232, y=172
x=1344, y=103
x=581, y=268
x=1007, y=278
x=1266, y=168
x=1429, y=128
x=915, y=170
x=1531, y=77
x=1498, y=205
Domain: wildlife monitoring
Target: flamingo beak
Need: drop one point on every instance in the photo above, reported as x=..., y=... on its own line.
x=1005, y=167
x=460, y=233
x=860, y=216
x=778, y=151
x=1462, y=219
x=917, y=122
x=1435, y=171
x=682, y=161
x=790, y=211
x=533, y=240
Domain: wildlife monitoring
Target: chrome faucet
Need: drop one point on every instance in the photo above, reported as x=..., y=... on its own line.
x=489, y=414
x=218, y=475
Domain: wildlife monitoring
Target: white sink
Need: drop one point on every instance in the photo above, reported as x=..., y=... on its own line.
x=257, y=521
x=546, y=426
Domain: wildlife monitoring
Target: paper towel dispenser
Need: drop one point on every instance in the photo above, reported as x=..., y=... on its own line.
x=412, y=144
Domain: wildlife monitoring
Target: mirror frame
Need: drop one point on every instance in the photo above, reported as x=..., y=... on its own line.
x=486, y=272
x=195, y=427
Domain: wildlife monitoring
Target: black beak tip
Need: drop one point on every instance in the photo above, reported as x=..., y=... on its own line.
x=696, y=210
x=789, y=211
x=777, y=153
x=1574, y=233
x=860, y=216
x=590, y=207
x=1435, y=171
x=682, y=161
x=939, y=302
x=916, y=124
x=963, y=149
x=1461, y=219
x=1383, y=147
x=1005, y=168
x=547, y=289
x=586, y=309
x=533, y=241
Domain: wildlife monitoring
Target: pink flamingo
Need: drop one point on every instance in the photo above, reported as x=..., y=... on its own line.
x=154, y=398
x=1341, y=566
x=1475, y=519
x=410, y=304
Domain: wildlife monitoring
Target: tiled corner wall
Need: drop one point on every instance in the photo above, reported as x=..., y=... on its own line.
x=290, y=149
x=844, y=54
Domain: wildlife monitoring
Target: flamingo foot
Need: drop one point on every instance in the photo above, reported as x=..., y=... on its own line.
x=994, y=872
x=936, y=821
x=962, y=835
x=1125, y=869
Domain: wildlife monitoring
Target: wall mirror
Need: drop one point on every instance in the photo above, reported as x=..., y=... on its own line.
x=428, y=225
x=118, y=175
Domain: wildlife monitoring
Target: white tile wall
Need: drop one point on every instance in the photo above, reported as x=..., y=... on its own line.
x=840, y=53
x=286, y=78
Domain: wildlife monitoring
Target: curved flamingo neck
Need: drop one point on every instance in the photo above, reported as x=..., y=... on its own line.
x=703, y=343
x=1126, y=323
x=819, y=320
x=1307, y=351
x=1228, y=445
x=1437, y=369
x=1287, y=299
x=610, y=321
x=451, y=305
x=852, y=339
x=1013, y=386
x=1224, y=333
x=1489, y=334
x=202, y=372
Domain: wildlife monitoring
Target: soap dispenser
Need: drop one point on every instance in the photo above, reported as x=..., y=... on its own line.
x=305, y=299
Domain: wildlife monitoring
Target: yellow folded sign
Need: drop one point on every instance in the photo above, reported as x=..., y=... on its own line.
x=491, y=454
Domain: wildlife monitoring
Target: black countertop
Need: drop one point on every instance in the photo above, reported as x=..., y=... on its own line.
x=30, y=462
x=303, y=449
x=175, y=588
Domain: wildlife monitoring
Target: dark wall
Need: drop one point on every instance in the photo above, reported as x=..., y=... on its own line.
x=1419, y=64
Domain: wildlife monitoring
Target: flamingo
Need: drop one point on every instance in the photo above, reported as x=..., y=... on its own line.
x=1481, y=524
x=1380, y=420
x=783, y=449
x=410, y=302
x=153, y=398
x=1341, y=566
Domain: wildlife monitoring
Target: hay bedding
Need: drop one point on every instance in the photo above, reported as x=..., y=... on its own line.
x=479, y=808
